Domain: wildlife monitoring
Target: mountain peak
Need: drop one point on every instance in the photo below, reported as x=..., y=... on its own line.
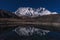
x=32, y=12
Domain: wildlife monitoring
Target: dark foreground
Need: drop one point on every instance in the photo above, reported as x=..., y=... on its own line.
x=12, y=35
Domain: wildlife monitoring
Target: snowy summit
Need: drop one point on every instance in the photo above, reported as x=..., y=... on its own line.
x=31, y=12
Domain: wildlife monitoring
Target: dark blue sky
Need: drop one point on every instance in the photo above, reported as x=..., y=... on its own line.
x=12, y=5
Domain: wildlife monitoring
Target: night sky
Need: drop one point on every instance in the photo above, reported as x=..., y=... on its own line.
x=13, y=5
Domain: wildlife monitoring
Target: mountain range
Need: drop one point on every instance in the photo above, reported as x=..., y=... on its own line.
x=26, y=12
x=42, y=15
x=32, y=12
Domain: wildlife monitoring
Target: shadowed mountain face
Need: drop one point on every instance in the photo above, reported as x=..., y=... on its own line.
x=49, y=18
x=7, y=14
x=45, y=18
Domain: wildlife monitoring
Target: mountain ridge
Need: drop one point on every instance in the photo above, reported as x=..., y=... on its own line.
x=32, y=12
x=7, y=14
x=50, y=17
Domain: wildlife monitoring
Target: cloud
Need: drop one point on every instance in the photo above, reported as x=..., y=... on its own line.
x=32, y=12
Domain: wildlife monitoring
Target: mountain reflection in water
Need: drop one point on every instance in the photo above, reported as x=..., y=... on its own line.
x=30, y=33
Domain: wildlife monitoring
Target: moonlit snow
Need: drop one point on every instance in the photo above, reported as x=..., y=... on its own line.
x=32, y=12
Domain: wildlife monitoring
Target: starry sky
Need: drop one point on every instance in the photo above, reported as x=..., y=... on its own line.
x=13, y=5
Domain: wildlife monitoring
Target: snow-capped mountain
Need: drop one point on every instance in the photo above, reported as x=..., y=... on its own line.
x=31, y=12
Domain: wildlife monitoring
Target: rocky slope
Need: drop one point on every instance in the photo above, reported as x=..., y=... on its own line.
x=7, y=14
